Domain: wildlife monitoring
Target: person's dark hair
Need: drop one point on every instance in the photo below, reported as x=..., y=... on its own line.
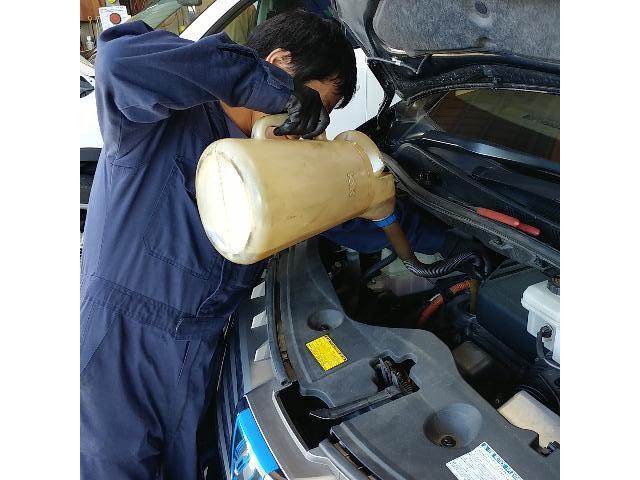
x=319, y=49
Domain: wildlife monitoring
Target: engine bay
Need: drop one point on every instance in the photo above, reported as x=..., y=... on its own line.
x=393, y=365
x=485, y=330
x=358, y=372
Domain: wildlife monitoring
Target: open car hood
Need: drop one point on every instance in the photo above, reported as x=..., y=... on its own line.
x=420, y=46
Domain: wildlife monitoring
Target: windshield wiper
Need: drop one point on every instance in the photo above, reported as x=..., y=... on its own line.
x=505, y=155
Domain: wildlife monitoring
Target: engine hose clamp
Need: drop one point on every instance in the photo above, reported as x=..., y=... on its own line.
x=385, y=222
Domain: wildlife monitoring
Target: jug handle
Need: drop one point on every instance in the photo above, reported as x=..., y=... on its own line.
x=259, y=130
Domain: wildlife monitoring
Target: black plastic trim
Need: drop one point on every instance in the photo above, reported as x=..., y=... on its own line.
x=444, y=139
x=503, y=239
x=271, y=297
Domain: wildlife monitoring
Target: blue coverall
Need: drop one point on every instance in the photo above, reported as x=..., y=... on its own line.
x=155, y=294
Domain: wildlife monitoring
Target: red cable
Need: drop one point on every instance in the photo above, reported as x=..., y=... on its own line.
x=438, y=301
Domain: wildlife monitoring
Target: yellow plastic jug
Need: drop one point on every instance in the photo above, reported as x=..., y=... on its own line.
x=259, y=196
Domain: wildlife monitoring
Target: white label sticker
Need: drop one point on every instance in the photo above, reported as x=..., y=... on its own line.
x=111, y=16
x=482, y=463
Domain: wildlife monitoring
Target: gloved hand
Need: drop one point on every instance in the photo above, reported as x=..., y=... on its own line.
x=307, y=116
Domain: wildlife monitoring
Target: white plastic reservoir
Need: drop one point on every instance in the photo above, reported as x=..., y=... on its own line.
x=544, y=309
x=399, y=280
x=524, y=411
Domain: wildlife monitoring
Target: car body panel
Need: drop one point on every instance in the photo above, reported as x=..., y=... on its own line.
x=90, y=136
x=247, y=371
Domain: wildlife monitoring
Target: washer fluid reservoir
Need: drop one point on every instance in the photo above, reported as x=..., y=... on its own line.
x=259, y=196
x=544, y=309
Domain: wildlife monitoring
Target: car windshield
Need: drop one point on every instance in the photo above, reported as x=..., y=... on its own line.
x=170, y=15
x=522, y=120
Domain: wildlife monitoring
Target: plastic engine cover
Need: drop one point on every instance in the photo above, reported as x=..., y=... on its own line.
x=402, y=439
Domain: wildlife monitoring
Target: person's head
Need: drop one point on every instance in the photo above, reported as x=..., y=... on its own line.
x=313, y=50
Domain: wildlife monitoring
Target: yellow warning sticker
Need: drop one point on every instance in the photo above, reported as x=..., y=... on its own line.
x=326, y=352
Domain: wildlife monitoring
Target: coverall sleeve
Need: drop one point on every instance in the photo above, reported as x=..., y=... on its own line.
x=364, y=236
x=151, y=72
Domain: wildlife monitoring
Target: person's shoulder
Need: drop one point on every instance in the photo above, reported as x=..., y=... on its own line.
x=126, y=29
x=134, y=35
x=129, y=40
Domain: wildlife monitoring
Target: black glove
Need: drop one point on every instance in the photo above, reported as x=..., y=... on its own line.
x=307, y=116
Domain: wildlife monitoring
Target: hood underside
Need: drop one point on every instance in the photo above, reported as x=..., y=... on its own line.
x=422, y=45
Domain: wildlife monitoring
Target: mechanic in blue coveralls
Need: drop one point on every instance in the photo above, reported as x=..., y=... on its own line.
x=155, y=295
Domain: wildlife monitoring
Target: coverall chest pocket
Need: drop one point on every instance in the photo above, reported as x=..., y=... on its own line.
x=175, y=234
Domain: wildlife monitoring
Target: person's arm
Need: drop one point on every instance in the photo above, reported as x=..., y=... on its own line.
x=149, y=73
x=364, y=236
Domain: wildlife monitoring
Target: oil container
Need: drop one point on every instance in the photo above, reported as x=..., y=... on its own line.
x=259, y=196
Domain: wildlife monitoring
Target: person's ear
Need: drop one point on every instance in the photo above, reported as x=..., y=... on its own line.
x=281, y=58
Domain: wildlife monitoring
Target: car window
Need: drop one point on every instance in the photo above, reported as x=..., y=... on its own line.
x=256, y=13
x=242, y=25
x=171, y=15
x=522, y=120
x=176, y=15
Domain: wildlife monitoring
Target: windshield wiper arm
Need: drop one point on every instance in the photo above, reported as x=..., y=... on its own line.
x=442, y=139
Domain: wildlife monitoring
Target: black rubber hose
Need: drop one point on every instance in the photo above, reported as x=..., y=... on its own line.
x=540, y=351
x=442, y=267
x=473, y=261
x=376, y=267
